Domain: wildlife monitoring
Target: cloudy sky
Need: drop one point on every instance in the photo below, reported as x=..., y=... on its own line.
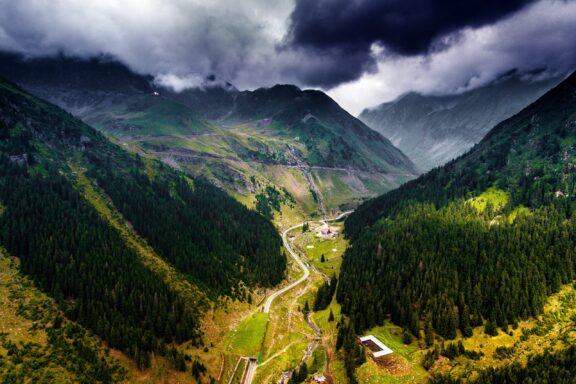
x=362, y=52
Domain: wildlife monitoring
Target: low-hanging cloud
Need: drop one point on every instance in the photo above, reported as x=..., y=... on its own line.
x=537, y=42
x=176, y=37
x=346, y=47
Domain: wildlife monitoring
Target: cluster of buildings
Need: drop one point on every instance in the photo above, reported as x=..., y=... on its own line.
x=328, y=232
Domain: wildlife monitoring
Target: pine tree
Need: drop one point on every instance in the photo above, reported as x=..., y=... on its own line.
x=490, y=328
x=407, y=337
x=429, y=334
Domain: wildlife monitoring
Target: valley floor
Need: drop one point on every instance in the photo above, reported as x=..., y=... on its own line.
x=283, y=339
x=244, y=344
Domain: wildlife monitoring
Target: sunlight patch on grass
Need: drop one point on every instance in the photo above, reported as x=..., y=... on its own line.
x=404, y=364
x=552, y=330
x=496, y=197
x=518, y=211
x=246, y=340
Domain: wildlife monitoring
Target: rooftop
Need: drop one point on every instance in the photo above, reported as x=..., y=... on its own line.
x=376, y=346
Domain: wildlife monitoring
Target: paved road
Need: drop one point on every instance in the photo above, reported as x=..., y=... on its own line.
x=299, y=261
x=303, y=267
x=250, y=373
x=252, y=362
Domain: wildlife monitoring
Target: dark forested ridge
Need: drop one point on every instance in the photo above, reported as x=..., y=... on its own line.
x=526, y=155
x=198, y=228
x=77, y=257
x=551, y=367
x=485, y=238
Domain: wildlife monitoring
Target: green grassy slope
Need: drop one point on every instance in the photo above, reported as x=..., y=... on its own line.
x=254, y=140
x=126, y=246
x=238, y=153
x=332, y=137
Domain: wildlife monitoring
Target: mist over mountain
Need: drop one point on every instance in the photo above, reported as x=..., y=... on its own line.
x=236, y=139
x=256, y=191
x=432, y=130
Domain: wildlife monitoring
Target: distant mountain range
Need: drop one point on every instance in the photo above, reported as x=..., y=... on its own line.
x=432, y=130
x=279, y=148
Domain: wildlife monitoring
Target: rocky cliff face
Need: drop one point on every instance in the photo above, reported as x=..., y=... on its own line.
x=432, y=130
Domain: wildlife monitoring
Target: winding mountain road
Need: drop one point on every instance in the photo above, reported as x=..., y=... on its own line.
x=303, y=267
x=266, y=308
x=297, y=259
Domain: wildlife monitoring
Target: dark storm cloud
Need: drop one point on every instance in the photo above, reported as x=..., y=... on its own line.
x=185, y=39
x=344, y=31
x=363, y=52
x=537, y=43
x=327, y=68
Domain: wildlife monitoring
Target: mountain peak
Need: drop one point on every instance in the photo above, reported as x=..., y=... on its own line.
x=433, y=129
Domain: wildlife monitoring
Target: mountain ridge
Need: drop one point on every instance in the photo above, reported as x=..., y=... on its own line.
x=248, y=142
x=473, y=248
x=103, y=231
x=433, y=129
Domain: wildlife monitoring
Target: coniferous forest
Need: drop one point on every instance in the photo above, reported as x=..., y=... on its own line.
x=198, y=228
x=483, y=240
x=551, y=367
x=124, y=259
x=78, y=258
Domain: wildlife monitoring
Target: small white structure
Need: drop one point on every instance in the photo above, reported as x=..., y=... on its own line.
x=319, y=378
x=383, y=349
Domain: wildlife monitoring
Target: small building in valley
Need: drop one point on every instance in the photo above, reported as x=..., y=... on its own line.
x=328, y=232
x=376, y=346
x=318, y=378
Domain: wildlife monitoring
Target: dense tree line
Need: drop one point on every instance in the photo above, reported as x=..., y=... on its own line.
x=198, y=228
x=425, y=257
x=68, y=249
x=81, y=261
x=454, y=268
x=325, y=294
x=550, y=367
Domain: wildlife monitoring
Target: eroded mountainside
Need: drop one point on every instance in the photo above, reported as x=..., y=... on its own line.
x=433, y=130
x=278, y=149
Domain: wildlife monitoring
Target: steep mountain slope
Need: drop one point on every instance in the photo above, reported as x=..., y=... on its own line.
x=432, y=130
x=332, y=137
x=128, y=247
x=279, y=149
x=483, y=240
x=212, y=100
x=38, y=344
